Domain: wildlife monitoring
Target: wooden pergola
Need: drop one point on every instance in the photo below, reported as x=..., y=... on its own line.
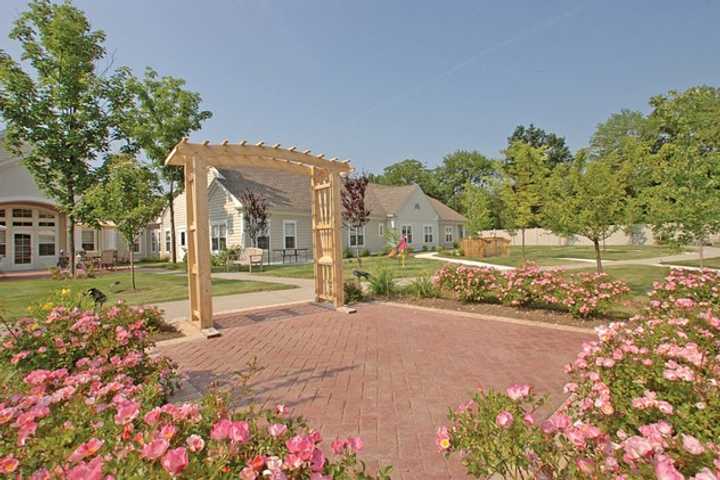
x=325, y=184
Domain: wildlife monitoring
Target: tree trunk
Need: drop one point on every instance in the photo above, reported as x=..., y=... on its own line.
x=173, y=243
x=701, y=252
x=598, y=260
x=132, y=266
x=523, y=244
x=71, y=247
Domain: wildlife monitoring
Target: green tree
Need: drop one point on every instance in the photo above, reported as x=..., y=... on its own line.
x=682, y=197
x=611, y=134
x=407, y=172
x=458, y=169
x=557, y=151
x=478, y=208
x=523, y=184
x=61, y=114
x=586, y=199
x=162, y=113
x=129, y=195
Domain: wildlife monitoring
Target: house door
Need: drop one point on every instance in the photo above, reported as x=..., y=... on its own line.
x=23, y=250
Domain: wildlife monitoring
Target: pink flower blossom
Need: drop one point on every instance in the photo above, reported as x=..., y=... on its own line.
x=504, y=419
x=195, y=443
x=155, y=449
x=85, y=450
x=277, y=429
x=442, y=439
x=8, y=464
x=239, y=432
x=692, y=445
x=175, y=461
x=221, y=429
x=518, y=391
x=665, y=469
x=127, y=411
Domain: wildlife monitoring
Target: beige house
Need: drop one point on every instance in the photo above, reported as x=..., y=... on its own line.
x=425, y=221
x=33, y=232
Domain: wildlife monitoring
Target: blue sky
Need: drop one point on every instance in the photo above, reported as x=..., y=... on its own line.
x=379, y=81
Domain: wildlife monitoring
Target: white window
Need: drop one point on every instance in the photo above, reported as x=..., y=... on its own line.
x=2, y=217
x=3, y=244
x=407, y=232
x=168, y=241
x=46, y=219
x=290, y=233
x=87, y=240
x=137, y=243
x=22, y=217
x=46, y=244
x=448, y=234
x=356, y=237
x=218, y=237
x=155, y=241
x=381, y=229
x=428, y=233
x=461, y=231
x=182, y=238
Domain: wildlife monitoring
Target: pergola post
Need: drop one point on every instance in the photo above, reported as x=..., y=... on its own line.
x=198, y=242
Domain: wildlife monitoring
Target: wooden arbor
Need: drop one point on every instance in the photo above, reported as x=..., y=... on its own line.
x=325, y=184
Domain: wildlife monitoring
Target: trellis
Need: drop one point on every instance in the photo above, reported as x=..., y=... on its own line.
x=325, y=185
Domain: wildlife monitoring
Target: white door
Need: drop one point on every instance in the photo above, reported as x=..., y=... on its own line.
x=22, y=251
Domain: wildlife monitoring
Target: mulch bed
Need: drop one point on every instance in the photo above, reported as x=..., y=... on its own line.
x=166, y=331
x=532, y=314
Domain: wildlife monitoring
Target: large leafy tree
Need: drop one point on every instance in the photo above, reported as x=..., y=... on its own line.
x=459, y=169
x=523, y=186
x=59, y=112
x=610, y=135
x=586, y=199
x=477, y=203
x=682, y=195
x=162, y=113
x=557, y=151
x=407, y=172
x=355, y=211
x=129, y=195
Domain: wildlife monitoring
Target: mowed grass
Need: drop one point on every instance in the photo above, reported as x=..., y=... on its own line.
x=413, y=267
x=553, y=256
x=708, y=263
x=16, y=295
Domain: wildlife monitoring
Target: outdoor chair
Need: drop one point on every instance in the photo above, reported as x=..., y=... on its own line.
x=108, y=259
x=248, y=257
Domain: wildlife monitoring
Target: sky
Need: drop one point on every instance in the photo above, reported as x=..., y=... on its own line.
x=378, y=81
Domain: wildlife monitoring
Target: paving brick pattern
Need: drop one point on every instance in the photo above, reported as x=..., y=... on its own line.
x=386, y=373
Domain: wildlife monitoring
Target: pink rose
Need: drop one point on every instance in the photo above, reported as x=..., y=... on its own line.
x=155, y=449
x=665, y=469
x=504, y=419
x=195, y=443
x=692, y=445
x=221, y=429
x=356, y=444
x=85, y=450
x=518, y=391
x=175, y=461
x=277, y=429
x=239, y=432
x=8, y=464
x=127, y=411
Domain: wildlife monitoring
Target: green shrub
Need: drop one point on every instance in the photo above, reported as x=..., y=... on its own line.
x=422, y=287
x=365, y=253
x=353, y=291
x=347, y=253
x=383, y=284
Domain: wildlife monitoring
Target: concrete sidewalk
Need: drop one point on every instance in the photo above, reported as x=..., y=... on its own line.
x=304, y=292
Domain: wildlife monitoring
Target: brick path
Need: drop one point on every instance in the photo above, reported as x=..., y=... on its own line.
x=386, y=373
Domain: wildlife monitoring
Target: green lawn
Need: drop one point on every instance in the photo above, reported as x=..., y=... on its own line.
x=413, y=267
x=713, y=262
x=152, y=288
x=552, y=256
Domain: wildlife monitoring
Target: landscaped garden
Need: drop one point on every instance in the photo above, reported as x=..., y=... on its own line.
x=413, y=267
x=152, y=288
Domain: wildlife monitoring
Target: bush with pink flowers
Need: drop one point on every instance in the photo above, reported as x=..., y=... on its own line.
x=82, y=399
x=582, y=294
x=644, y=401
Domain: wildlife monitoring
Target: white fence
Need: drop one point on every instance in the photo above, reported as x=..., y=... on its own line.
x=639, y=235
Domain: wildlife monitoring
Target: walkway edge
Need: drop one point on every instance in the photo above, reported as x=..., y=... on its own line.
x=494, y=318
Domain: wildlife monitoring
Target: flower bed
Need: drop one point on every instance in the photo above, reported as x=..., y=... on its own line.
x=82, y=399
x=644, y=401
x=581, y=294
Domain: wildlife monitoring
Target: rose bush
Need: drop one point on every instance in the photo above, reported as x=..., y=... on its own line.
x=581, y=294
x=82, y=399
x=644, y=401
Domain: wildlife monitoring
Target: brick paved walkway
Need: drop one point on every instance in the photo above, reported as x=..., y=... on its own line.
x=386, y=373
